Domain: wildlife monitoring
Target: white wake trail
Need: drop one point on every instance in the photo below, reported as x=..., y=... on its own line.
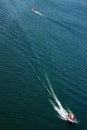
x=38, y=13
x=62, y=113
x=45, y=86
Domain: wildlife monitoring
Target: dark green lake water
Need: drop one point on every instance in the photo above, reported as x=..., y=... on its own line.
x=31, y=44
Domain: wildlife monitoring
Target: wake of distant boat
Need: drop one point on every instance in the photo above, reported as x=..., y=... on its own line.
x=62, y=113
x=38, y=13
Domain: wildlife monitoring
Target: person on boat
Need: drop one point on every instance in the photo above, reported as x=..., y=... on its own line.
x=71, y=116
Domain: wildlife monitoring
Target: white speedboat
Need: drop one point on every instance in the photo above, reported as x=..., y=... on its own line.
x=33, y=9
x=71, y=118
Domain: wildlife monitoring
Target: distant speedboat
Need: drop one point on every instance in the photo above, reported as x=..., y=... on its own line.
x=33, y=9
x=71, y=118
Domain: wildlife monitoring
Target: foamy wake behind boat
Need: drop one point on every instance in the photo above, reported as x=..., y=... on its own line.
x=35, y=11
x=64, y=114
